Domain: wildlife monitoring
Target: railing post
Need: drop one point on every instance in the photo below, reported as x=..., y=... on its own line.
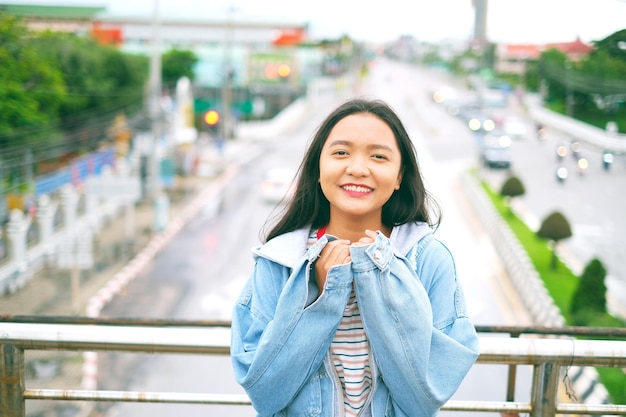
x=17, y=228
x=544, y=390
x=45, y=217
x=12, y=381
x=510, y=386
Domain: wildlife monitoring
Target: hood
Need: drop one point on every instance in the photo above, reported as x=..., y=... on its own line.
x=406, y=236
x=290, y=248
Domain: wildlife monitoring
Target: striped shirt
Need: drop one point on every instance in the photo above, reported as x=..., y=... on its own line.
x=350, y=354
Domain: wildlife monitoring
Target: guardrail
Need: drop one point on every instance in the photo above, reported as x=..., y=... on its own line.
x=545, y=355
x=578, y=130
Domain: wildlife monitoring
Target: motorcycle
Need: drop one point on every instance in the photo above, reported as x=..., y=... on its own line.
x=583, y=164
x=607, y=160
x=561, y=174
x=541, y=132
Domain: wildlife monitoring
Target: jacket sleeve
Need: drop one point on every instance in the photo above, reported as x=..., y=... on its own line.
x=278, y=340
x=416, y=320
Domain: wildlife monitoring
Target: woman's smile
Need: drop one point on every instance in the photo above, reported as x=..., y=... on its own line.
x=357, y=190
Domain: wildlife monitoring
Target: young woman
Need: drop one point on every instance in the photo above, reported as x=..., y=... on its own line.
x=354, y=307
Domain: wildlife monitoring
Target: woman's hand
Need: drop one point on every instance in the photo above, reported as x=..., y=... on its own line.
x=337, y=252
x=334, y=253
x=370, y=237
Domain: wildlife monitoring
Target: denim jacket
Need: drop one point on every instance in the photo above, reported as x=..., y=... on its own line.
x=422, y=343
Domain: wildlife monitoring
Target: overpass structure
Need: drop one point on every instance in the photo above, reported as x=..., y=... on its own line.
x=577, y=130
x=548, y=356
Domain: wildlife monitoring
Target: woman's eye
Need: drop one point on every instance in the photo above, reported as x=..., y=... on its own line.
x=340, y=153
x=380, y=157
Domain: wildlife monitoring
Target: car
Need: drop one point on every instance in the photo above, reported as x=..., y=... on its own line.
x=278, y=185
x=495, y=151
x=496, y=157
x=445, y=94
x=515, y=127
x=477, y=120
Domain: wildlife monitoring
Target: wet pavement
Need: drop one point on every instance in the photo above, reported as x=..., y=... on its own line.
x=49, y=291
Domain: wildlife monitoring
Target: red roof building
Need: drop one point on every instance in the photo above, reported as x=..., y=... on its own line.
x=574, y=50
x=292, y=37
x=511, y=58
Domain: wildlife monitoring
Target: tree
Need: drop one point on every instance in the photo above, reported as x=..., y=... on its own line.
x=59, y=94
x=176, y=64
x=595, y=83
x=101, y=80
x=551, y=70
x=555, y=228
x=606, y=69
x=590, y=295
x=31, y=91
x=511, y=188
x=612, y=45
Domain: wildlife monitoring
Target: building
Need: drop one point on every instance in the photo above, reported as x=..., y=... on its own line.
x=252, y=61
x=223, y=46
x=75, y=19
x=480, y=23
x=512, y=58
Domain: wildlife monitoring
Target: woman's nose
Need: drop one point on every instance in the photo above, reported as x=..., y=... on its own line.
x=357, y=167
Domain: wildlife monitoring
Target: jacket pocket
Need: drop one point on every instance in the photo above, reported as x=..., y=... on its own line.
x=308, y=402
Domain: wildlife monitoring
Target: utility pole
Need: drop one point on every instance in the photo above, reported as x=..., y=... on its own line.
x=157, y=115
x=569, y=95
x=154, y=105
x=227, y=82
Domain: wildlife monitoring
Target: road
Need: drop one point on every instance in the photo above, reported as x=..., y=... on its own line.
x=198, y=276
x=593, y=202
x=200, y=273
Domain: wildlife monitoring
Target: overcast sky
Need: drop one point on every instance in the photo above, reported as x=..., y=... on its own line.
x=511, y=21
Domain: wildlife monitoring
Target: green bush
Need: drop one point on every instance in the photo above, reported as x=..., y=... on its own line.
x=555, y=228
x=589, y=300
x=561, y=284
x=512, y=187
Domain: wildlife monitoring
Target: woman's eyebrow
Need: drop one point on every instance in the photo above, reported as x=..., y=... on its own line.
x=339, y=142
x=380, y=146
x=343, y=142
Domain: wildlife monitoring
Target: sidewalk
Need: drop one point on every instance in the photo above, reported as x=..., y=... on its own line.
x=49, y=291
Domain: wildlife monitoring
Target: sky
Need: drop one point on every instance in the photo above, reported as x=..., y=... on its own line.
x=508, y=21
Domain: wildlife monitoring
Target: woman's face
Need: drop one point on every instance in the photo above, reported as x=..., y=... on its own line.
x=360, y=167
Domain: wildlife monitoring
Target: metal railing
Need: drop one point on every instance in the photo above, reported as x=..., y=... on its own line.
x=546, y=355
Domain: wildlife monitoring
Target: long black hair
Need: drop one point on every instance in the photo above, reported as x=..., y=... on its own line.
x=309, y=206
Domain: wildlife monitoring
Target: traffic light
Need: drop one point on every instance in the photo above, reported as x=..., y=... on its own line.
x=277, y=71
x=211, y=117
x=284, y=70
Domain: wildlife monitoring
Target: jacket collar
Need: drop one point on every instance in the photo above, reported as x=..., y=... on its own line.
x=289, y=249
x=286, y=249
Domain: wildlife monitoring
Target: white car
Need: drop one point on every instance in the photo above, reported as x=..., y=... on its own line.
x=278, y=185
x=515, y=127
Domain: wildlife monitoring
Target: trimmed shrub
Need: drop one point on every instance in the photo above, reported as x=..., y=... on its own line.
x=589, y=299
x=555, y=228
x=512, y=187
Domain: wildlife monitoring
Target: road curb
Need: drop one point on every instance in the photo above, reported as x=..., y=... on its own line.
x=527, y=281
x=139, y=264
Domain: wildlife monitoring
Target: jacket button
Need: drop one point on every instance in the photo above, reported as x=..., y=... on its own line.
x=377, y=254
